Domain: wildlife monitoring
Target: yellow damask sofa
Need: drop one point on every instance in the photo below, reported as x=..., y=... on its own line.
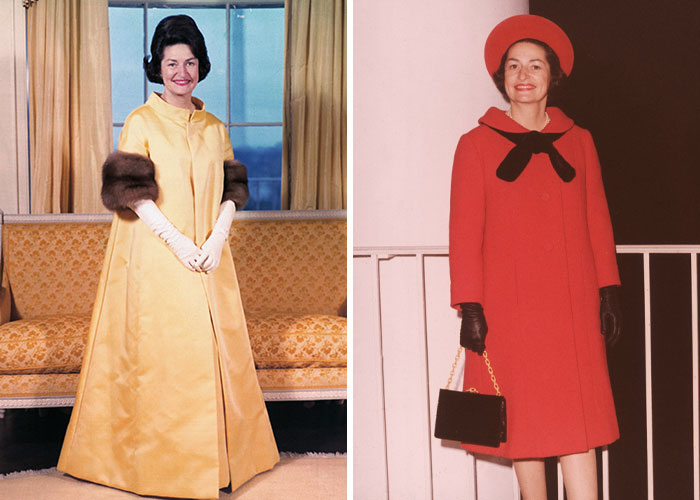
x=291, y=269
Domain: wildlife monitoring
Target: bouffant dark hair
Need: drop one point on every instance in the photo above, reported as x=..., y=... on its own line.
x=557, y=79
x=171, y=31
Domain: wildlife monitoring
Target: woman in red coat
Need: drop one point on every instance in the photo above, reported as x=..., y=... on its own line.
x=532, y=262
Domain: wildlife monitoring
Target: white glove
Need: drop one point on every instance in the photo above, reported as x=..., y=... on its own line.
x=183, y=247
x=210, y=257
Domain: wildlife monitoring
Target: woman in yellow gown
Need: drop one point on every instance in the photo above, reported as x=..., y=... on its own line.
x=168, y=402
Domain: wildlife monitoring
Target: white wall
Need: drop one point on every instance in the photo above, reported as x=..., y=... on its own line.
x=13, y=109
x=419, y=83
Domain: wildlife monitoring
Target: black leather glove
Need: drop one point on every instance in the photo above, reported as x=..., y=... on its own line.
x=472, y=334
x=610, y=314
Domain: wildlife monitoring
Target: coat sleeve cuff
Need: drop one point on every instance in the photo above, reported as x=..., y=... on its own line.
x=235, y=183
x=127, y=178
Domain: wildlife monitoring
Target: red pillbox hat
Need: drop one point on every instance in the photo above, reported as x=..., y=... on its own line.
x=515, y=28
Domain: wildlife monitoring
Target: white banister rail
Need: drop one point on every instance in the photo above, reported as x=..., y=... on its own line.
x=378, y=254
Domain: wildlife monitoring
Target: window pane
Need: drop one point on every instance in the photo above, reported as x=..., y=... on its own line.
x=264, y=194
x=260, y=149
x=212, y=23
x=257, y=64
x=116, y=131
x=126, y=50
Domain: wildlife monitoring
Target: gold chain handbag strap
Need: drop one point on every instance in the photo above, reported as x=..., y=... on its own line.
x=488, y=365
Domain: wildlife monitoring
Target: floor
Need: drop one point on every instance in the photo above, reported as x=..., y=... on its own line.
x=293, y=478
x=31, y=439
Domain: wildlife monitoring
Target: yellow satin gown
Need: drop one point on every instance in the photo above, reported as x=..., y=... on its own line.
x=168, y=402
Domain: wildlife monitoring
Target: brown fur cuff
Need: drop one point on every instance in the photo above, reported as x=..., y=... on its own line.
x=235, y=183
x=126, y=178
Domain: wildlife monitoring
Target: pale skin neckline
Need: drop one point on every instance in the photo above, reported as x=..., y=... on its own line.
x=532, y=116
x=194, y=107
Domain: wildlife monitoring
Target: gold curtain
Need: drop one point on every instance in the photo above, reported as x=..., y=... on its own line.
x=70, y=103
x=314, y=163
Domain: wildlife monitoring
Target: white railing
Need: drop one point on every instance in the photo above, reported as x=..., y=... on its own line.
x=378, y=254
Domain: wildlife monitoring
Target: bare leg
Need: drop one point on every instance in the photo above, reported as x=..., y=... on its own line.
x=531, y=479
x=580, y=475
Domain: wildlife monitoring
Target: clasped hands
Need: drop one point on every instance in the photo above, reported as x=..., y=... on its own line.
x=472, y=334
x=205, y=259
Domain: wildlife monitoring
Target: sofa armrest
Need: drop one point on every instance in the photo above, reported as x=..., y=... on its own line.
x=5, y=298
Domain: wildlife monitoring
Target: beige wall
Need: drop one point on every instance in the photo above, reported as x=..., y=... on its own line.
x=14, y=192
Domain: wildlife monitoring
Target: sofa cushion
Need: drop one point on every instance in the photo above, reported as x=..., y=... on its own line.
x=301, y=378
x=28, y=385
x=55, y=344
x=65, y=384
x=309, y=341
x=50, y=344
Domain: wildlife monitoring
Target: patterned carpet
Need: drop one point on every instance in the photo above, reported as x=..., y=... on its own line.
x=296, y=477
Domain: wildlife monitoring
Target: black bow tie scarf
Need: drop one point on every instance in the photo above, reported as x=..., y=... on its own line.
x=527, y=144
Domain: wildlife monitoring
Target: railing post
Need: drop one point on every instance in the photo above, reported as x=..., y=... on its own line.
x=647, y=365
x=696, y=388
x=420, y=277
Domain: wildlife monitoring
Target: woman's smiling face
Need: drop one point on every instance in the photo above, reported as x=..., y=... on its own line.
x=179, y=70
x=527, y=73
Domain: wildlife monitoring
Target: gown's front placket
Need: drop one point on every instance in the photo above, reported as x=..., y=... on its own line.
x=193, y=178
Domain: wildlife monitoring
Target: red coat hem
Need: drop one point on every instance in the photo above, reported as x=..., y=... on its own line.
x=502, y=451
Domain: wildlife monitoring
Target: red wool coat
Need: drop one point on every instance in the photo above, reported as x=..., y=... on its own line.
x=534, y=252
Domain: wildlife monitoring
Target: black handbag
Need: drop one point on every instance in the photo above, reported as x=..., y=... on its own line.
x=471, y=417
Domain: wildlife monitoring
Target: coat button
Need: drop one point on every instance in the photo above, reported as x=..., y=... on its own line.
x=548, y=247
x=545, y=196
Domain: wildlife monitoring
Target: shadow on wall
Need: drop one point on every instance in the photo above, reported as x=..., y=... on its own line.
x=635, y=88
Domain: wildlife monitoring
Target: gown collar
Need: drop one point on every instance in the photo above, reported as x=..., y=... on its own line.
x=173, y=112
x=497, y=118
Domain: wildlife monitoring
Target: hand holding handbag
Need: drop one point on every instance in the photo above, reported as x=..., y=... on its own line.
x=471, y=417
